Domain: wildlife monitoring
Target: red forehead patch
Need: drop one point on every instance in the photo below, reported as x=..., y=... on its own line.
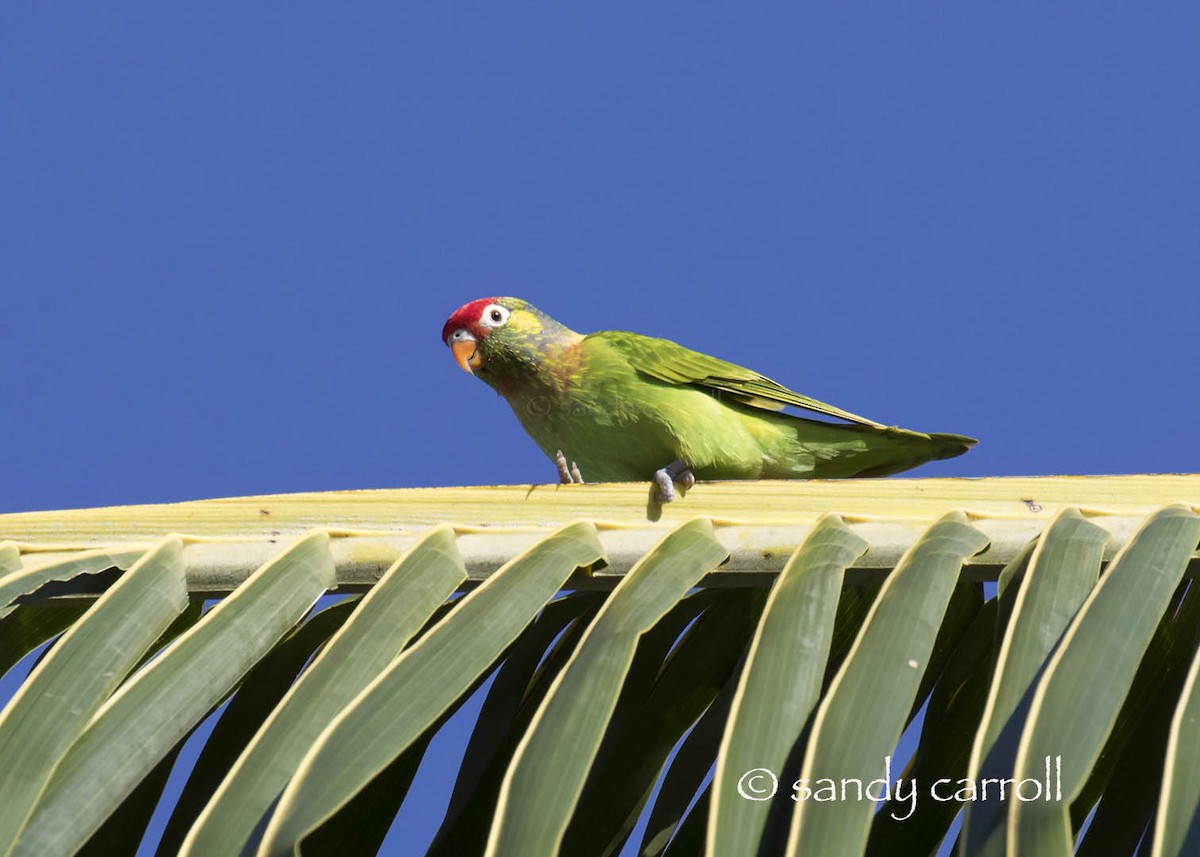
x=467, y=316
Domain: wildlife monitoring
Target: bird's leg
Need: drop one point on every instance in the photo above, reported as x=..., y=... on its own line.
x=560, y=461
x=664, y=480
x=567, y=475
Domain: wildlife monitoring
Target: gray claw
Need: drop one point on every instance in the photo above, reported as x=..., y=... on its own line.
x=567, y=475
x=664, y=487
x=560, y=461
x=665, y=479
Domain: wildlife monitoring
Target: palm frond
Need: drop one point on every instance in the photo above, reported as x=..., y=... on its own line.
x=731, y=673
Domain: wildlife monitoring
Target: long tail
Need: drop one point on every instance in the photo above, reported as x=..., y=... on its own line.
x=904, y=450
x=837, y=451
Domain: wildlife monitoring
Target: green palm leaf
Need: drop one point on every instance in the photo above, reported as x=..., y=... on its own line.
x=630, y=677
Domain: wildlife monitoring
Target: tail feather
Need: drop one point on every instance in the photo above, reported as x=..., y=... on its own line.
x=836, y=451
x=950, y=445
x=815, y=449
x=903, y=450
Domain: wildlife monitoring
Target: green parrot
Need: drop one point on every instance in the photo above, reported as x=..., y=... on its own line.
x=627, y=407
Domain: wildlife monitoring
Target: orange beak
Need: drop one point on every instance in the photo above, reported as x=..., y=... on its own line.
x=466, y=354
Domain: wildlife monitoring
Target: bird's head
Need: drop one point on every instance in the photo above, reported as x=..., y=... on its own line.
x=498, y=338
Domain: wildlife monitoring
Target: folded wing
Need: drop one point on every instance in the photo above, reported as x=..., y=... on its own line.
x=671, y=363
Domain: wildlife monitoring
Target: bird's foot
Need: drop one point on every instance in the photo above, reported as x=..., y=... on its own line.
x=665, y=480
x=567, y=475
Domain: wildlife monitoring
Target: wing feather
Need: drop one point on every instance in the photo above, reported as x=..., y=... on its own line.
x=671, y=363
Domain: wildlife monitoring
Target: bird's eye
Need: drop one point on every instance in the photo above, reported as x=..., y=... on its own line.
x=494, y=315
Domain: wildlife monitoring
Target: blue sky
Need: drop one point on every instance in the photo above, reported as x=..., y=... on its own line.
x=232, y=234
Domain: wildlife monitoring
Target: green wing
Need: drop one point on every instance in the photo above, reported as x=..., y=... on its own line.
x=671, y=363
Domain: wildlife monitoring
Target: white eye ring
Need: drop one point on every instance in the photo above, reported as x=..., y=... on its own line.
x=494, y=315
